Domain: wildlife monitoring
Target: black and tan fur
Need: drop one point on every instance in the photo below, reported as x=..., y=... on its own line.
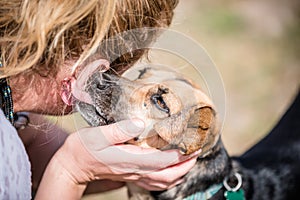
x=179, y=115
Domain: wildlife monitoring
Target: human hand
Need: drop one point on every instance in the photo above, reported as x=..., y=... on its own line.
x=100, y=153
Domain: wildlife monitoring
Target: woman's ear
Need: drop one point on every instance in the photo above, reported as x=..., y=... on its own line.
x=66, y=90
x=73, y=87
x=89, y=68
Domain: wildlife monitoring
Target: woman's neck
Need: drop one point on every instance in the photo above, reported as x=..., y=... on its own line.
x=37, y=94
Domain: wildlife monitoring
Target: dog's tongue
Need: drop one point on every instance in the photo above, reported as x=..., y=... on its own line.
x=75, y=88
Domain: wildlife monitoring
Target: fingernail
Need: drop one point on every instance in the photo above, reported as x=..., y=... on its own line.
x=196, y=153
x=179, y=181
x=176, y=183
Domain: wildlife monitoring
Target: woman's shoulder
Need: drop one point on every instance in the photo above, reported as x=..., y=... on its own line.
x=15, y=175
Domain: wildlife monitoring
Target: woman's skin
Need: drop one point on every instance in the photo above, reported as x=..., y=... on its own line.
x=82, y=158
x=42, y=95
x=42, y=139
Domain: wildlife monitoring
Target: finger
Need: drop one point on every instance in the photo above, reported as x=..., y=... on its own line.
x=162, y=185
x=172, y=173
x=97, y=138
x=122, y=177
x=157, y=186
x=176, y=183
x=123, y=131
x=148, y=187
x=135, y=159
x=160, y=159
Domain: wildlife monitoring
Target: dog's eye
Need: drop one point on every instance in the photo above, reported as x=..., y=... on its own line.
x=159, y=103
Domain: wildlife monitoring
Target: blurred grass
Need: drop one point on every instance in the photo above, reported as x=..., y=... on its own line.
x=219, y=21
x=255, y=45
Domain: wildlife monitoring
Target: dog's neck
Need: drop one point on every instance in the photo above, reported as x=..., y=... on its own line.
x=208, y=171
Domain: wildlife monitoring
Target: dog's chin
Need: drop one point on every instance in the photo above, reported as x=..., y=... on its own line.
x=107, y=118
x=92, y=115
x=105, y=121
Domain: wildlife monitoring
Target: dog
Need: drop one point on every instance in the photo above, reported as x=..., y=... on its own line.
x=178, y=115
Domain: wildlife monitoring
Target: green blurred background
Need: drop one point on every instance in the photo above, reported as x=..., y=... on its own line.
x=255, y=45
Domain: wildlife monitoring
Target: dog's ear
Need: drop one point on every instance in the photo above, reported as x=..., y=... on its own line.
x=190, y=130
x=202, y=127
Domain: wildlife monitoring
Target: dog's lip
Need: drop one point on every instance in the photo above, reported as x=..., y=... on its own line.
x=102, y=117
x=105, y=118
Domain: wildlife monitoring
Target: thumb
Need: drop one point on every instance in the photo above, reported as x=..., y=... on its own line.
x=97, y=138
x=123, y=131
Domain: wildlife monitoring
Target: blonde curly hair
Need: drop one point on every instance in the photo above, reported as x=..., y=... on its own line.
x=38, y=36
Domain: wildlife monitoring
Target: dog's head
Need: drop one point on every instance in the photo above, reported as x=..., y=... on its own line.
x=176, y=112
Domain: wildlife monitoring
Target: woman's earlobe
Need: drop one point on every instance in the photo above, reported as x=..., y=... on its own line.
x=66, y=90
